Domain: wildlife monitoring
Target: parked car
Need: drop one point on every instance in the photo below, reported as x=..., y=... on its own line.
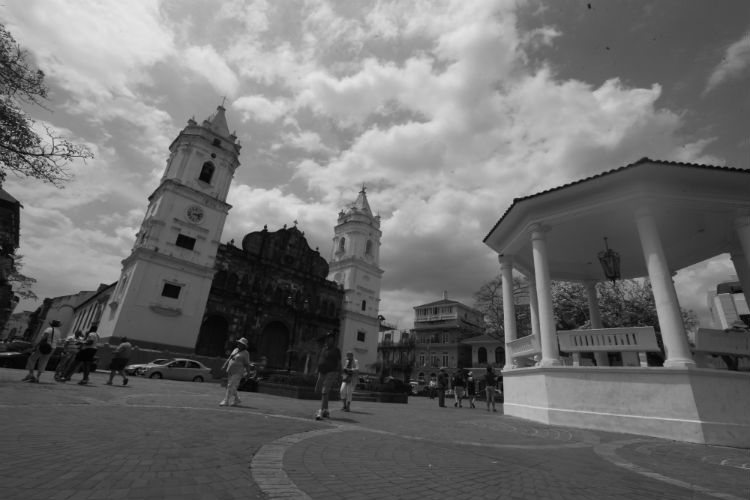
x=178, y=369
x=138, y=368
x=17, y=359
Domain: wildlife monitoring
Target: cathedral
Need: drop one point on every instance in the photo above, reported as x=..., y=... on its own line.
x=181, y=290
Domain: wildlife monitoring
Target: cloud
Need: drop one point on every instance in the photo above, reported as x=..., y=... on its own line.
x=93, y=48
x=735, y=61
x=206, y=62
x=260, y=109
x=435, y=106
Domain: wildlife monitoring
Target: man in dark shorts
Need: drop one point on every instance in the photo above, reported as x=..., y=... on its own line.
x=329, y=366
x=120, y=358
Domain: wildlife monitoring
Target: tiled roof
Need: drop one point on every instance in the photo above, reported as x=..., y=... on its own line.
x=638, y=163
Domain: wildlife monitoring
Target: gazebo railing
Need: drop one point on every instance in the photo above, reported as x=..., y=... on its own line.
x=634, y=339
x=524, y=347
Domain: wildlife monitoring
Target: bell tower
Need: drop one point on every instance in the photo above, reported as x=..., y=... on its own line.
x=163, y=288
x=354, y=264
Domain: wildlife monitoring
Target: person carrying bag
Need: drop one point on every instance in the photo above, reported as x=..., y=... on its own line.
x=41, y=353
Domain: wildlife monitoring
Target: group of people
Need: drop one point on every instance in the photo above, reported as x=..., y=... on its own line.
x=78, y=353
x=464, y=384
x=331, y=370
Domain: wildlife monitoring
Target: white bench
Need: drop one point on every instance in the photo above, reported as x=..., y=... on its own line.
x=637, y=339
x=711, y=341
x=524, y=351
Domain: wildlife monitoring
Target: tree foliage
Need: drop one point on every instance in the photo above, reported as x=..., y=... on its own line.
x=24, y=149
x=489, y=300
x=623, y=303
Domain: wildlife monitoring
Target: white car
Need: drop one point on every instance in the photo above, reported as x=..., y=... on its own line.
x=178, y=369
x=137, y=369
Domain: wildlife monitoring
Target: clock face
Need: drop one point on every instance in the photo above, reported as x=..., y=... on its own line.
x=195, y=214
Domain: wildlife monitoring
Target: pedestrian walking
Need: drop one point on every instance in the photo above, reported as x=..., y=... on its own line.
x=348, y=380
x=237, y=366
x=71, y=346
x=42, y=351
x=490, y=380
x=329, y=365
x=120, y=358
x=442, y=385
x=432, y=388
x=471, y=388
x=88, y=352
x=459, y=385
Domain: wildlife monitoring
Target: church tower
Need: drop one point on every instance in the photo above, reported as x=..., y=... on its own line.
x=161, y=295
x=354, y=265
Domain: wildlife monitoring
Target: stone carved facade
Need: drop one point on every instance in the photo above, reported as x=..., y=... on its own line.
x=274, y=292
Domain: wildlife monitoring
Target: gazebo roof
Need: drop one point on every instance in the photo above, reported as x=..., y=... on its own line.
x=695, y=207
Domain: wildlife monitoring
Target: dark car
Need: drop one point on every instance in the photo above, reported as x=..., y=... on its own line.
x=18, y=358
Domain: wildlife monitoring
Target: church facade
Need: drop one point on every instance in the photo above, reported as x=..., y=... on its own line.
x=274, y=292
x=182, y=290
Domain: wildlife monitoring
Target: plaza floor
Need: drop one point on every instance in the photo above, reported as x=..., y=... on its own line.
x=158, y=439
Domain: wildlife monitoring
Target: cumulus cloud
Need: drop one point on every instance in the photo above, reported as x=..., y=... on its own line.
x=432, y=105
x=206, y=62
x=93, y=48
x=735, y=62
x=260, y=109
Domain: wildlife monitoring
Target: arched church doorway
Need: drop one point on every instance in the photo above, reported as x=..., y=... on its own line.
x=212, y=339
x=273, y=344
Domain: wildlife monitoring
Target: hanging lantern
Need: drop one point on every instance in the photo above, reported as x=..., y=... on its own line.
x=610, y=261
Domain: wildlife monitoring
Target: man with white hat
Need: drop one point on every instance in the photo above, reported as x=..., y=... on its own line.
x=237, y=365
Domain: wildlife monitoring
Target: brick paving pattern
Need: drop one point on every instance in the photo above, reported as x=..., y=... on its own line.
x=157, y=439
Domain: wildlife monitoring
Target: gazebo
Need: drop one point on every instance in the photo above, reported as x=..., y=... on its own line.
x=647, y=219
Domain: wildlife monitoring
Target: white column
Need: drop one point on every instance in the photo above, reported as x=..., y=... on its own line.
x=596, y=318
x=534, y=313
x=743, y=272
x=509, y=308
x=547, y=330
x=742, y=226
x=665, y=297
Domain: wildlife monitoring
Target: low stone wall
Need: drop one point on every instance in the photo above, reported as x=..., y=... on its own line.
x=291, y=391
x=694, y=405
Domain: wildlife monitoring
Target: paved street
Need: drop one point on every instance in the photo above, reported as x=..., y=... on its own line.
x=157, y=439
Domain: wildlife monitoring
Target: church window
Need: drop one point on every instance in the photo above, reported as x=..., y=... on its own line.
x=482, y=355
x=364, y=305
x=342, y=244
x=217, y=143
x=368, y=247
x=207, y=172
x=361, y=336
x=185, y=242
x=171, y=291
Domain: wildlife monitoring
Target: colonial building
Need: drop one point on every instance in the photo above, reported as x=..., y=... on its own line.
x=160, y=297
x=89, y=312
x=396, y=354
x=354, y=264
x=273, y=291
x=440, y=329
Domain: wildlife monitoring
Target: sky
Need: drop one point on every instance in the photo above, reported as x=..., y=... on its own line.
x=445, y=110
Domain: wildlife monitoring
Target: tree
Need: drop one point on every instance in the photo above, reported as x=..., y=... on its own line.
x=23, y=150
x=623, y=303
x=489, y=300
